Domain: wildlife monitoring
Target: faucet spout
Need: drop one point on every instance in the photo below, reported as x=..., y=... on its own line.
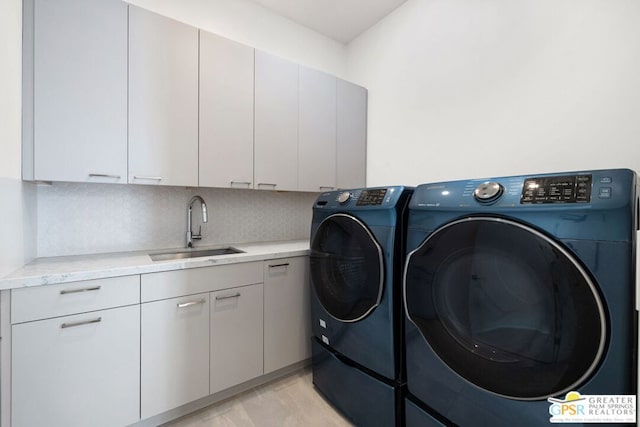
x=190, y=235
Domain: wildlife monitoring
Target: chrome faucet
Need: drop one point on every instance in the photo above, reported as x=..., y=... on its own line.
x=190, y=236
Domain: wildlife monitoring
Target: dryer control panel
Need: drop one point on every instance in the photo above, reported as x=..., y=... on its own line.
x=600, y=189
x=371, y=197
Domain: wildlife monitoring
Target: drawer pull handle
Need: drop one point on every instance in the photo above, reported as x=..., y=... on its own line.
x=82, y=322
x=326, y=187
x=267, y=184
x=190, y=303
x=153, y=178
x=75, y=291
x=247, y=183
x=104, y=175
x=286, y=264
x=236, y=295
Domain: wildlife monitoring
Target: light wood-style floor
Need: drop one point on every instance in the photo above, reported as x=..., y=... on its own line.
x=288, y=402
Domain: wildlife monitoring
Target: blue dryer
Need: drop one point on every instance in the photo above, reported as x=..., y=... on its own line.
x=356, y=262
x=518, y=289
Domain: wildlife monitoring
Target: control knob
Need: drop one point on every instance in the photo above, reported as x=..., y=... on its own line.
x=344, y=197
x=488, y=192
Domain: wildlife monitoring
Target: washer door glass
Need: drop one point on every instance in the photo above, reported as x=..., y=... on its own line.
x=505, y=307
x=346, y=268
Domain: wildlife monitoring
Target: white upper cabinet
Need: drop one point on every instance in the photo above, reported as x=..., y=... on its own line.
x=317, y=131
x=75, y=90
x=226, y=113
x=163, y=100
x=351, y=135
x=114, y=93
x=276, y=123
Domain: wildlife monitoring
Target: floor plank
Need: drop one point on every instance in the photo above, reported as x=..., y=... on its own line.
x=288, y=402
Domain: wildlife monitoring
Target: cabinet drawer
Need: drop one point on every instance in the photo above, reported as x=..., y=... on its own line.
x=42, y=302
x=170, y=284
x=81, y=370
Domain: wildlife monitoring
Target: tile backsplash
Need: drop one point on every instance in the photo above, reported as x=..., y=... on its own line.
x=75, y=218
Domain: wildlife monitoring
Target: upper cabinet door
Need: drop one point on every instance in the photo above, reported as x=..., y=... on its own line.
x=317, y=131
x=276, y=123
x=79, y=89
x=163, y=100
x=351, y=135
x=226, y=113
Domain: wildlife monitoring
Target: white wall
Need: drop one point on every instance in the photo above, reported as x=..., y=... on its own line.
x=252, y=24
x=466, y=88
x=17, y=209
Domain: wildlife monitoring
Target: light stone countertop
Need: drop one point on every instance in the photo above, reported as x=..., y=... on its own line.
x=45, y=271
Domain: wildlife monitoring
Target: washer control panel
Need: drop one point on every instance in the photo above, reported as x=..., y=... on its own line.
x=557, y=189
x=361, y=198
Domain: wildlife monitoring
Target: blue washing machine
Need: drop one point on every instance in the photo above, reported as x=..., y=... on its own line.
x=356, y=262
x=519, y=289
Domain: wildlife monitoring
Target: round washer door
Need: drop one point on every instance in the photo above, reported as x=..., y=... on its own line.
x=347, y=268
x=505, y=307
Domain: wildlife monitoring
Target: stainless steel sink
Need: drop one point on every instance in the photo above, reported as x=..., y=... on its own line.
x=198, y=253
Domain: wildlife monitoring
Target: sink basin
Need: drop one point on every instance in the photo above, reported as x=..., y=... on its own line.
x=190, y=253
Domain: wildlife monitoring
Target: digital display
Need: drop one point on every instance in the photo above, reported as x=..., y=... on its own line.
x=557, y=189
x=371, y=197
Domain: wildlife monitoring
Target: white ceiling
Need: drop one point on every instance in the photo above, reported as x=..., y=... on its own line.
x=341, y=20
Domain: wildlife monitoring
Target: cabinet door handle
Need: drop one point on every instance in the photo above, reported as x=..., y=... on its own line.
x=326, y=187
x=154, y=178
x=80, y=323
x=104, y=175
x=190, y=303
x=267, y=184
x=247, y=183
x=75, y=291
x=286, y=264
x=236, y=295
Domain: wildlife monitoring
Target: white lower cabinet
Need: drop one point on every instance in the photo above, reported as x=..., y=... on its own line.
x=79, y=370
x=201, y=333
x=236, y=336
x=287, y=319
x=174, y=353
x=139, y=346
